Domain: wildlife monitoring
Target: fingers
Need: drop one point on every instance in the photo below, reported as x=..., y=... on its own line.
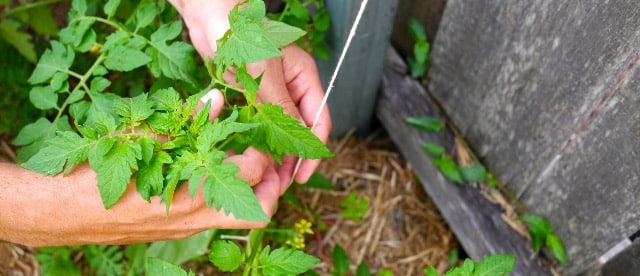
x=252, y=163
x=216, y=99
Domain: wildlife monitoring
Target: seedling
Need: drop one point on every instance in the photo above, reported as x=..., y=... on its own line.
x=419, y=63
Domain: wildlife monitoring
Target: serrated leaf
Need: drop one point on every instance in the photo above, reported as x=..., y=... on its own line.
x=166, y=99
x=111, y=7
x=280, y=34
x=219, y=131
x=134, y=109
x=449, y=169
x=175, y=60
x=21, y=41
x=43, y=97
x=223, y=189
x=145, y=14
x=56, y=59
x=473, y=173
x=113, y=160
x=66, y=148
x=250, y=84
x=426, y=124
x=285, y=261
x=181, y=169
x=149, y=178
x=246, y=44
x=554, y=244
x=195, y=180
x=539, y=229
x=122, y=58
x=33, y=136
x=497, y=264
x=157, y=266
x=433, y=149
x=284, y=135
x=226, y=255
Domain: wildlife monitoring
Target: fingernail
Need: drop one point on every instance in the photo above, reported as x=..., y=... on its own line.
x=208, y=97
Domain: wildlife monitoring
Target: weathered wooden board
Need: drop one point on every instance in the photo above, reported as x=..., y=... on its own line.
x=476, y=222
x=546, y=92
x=354, y=92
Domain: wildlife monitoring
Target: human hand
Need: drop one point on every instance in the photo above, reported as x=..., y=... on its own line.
x=41, y=210
x=291, y=81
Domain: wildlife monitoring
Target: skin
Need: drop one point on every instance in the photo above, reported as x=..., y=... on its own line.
x=38, y=210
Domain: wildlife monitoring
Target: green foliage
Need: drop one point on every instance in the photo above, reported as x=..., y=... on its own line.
x=180, y=251
x=56, y=261
x=158, y=266
x=355, y=208
x=426, y=124
x=118, y=135
x=285, y=261
x=541, y=232
x=498, y=264
x=419, y=63
x=226, y=255
x=311, y=16
x=105, y=260
x=340, y=261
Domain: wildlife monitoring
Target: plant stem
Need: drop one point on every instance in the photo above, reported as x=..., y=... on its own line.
x=83, y=83
x=29, y=6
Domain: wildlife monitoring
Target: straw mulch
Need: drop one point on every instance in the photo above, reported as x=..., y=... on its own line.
x=402, y=230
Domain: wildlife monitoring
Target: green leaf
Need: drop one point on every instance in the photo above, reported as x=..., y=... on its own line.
x=111, y=7
x=554, y=244
x=33, y=136
x=426, y=124
x=284, y=135
x=340, y=261
x=166, y=99
x=145, y=14
x=156, y=266
x=225, y=190
x=42, y=21
x=134, y=109
x=175, y=60
x=449, y=169
x=280, y=34
x=226, y=255
x=149, y=179
x=136, y=255
x=43, y=97
x=363, y=270
x=56, y=59
x=473, y=173
x=105, y=260
x=250, y=84
x=255, y=11
x=497, y=264
x=180, y=251
x=113, y=160
x=123, y=58
x=539, y=229
x=430, y=271
x=417, y=30
x=79, y=35
x=317, y=181
x=285, y=261
x=67, y=148
x=10, y=31
x=247, y=43
x=433, y=149
x=219, y=131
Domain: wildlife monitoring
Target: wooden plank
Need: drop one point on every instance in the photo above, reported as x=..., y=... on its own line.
x=546, y=94
x=354, y=93
x=476, y=222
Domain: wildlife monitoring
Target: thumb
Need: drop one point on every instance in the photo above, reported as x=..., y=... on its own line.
x=216, y=100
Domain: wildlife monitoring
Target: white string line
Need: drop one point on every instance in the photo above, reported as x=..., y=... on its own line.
x=352, y=33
